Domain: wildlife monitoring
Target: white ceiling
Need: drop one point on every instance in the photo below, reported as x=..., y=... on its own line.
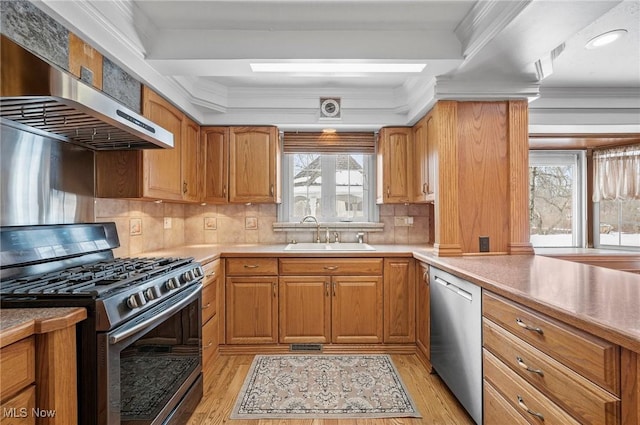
x=197, y=53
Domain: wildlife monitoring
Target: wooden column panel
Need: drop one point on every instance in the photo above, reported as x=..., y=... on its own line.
x=519, y=177
x=630, y=377
x=82, y=55
x=447, y=211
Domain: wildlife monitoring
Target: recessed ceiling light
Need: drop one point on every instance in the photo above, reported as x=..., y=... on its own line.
x=605, y=38
x=336, y=68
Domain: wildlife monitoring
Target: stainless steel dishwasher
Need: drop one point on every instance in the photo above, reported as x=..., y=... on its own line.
x=456, y=338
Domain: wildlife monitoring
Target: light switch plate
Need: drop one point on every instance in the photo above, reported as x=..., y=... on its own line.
x=167, y=222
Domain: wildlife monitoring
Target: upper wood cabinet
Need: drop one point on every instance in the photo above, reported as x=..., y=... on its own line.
x=166, y=174
x=215, y=164
x=254, y=165
x=191, y=186
x=241, y=165
x=395, y=165
x=424, y=160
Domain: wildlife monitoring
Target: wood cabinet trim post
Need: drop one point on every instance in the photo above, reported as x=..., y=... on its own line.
x=518, y=134
x=630, y=377
x=56, y=376
x=447, y=211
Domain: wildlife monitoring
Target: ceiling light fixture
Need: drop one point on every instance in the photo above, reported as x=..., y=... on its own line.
x=605, y=38
x=336, y=68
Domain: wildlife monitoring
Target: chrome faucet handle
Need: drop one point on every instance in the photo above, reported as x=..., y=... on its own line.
x=336, y=237
x=360, y=237
x=327, y=238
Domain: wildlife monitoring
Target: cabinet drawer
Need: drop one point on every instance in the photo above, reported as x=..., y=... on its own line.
x=19, y=409
x=522, y=395
x=209, y=341
x=252, y=266
x=212, y=271
x=497, y=410
x=588, y=355
x=331, y=266
x=582, y=398
x=17, y=366
x=209, y=306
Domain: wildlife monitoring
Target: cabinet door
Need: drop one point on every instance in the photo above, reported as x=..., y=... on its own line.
x=252, y=310
x=395, y=164
x=215, y=164
x=432, y=158
x=190, y=160
x=423, y=334
x=420, y=161
x=305, y=309
x=399, y=300
x=162, y=167
x=252, y=164
x=356, y=310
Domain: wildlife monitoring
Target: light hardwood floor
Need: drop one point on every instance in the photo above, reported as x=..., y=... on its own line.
x=434, y=401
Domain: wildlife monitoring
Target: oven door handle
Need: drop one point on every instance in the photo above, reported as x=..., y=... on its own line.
x=125, y=333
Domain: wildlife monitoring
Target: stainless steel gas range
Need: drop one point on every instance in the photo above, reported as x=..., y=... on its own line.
x=139, y=350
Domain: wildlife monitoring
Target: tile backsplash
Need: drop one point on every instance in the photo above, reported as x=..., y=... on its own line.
x=149, y=226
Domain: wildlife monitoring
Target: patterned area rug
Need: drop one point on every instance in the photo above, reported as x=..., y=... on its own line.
x=323, y=386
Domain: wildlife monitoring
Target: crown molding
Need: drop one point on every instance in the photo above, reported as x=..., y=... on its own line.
x=583, y=97
x=450, y=89
x=485, y=20
x=420, y=98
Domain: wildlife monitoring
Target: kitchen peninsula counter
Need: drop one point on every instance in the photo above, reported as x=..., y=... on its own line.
x=598, y=300
x=19, y=323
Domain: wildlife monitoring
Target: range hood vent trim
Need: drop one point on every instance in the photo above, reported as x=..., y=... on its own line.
x=61, y=106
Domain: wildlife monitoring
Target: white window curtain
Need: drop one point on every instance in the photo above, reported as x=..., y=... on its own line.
x=616, y=174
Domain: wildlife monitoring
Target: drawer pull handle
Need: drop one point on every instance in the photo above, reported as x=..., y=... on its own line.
x=334, y=289
x=211, y=274
x=331, y=267
x=529, y=411
x=326, y=288
x=208, y=345
x=523, y=365
x=523, y=325
x=251, y=266
x=206, y=306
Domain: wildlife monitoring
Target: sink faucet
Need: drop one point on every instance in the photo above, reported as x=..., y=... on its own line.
x=305, y=218
x=327, y=238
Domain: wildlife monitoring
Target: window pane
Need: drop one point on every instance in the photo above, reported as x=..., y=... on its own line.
x=349, y=186
x=619, y=223
x=554, y=207
x=332, y=187
x=307, y=185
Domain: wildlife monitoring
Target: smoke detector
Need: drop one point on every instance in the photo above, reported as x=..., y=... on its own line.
x=330, y=108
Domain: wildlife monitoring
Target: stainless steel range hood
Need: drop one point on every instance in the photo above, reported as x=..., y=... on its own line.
x=38, y=97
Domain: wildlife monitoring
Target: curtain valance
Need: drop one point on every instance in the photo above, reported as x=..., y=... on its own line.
x=616, y=173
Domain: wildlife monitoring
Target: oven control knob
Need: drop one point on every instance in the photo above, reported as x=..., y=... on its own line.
x=151, y=293
x=187, y=276
x=136, y=300
x=172, y=283
x=198, y=272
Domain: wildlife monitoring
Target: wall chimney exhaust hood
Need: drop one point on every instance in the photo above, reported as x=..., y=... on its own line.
x=38, y=97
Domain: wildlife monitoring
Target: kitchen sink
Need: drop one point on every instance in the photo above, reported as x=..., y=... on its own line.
x=310, y=246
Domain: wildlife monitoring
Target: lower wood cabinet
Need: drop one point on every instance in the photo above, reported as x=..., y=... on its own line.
x=423, y=328
x=325, y=307
x=543, y=368
x=399, y=300
x=252, y=309
x=211, y=290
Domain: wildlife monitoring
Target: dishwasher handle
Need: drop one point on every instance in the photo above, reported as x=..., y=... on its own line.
x=454, y=288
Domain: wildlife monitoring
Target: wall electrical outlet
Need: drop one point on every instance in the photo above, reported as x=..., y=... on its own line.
x=484, y=243
x=167, y=222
